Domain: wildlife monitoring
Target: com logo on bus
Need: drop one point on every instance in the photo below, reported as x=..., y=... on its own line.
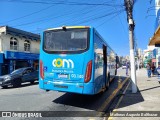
x=63, y=63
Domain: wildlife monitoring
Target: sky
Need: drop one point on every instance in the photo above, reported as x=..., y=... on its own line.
x=107, y=16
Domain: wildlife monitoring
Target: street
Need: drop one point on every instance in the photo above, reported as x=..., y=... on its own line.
x=30, y=98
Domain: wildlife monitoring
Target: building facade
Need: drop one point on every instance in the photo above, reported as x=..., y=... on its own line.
x=18, y=49
x=155, y=39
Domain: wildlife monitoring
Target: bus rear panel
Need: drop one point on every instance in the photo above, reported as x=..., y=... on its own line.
x=74, y=59
x=66, y=61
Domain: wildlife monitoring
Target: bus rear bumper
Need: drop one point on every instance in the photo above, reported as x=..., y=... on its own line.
x=81, y=88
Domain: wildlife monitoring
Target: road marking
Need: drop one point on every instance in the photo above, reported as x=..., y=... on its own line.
x=119, y=101
x=110, y=98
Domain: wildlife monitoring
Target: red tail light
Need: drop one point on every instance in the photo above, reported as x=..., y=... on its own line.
x=88, y=72
x=41, y=69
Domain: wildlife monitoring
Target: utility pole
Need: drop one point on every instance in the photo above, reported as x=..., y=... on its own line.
x=129, y=9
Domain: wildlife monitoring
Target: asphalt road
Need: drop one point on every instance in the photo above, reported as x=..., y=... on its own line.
x=30, y=98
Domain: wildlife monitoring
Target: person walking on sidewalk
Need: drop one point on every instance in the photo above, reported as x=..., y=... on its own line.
x=127, y=67
x=153, y=69
x=158, y=73
x=148, y=70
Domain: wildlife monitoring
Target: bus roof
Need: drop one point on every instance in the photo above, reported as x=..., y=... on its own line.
x=68, y=27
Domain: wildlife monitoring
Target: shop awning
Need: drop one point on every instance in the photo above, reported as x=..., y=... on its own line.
x=21, y=55
x=155, y=40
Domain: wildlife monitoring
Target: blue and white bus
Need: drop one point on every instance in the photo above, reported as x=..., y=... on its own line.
x=75, y=59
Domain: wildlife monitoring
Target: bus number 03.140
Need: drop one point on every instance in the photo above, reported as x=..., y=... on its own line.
x=77, y=76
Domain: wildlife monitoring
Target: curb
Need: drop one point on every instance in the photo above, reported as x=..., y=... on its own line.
x=106, y=104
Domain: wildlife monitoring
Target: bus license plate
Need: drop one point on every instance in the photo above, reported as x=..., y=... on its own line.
x=62, y=76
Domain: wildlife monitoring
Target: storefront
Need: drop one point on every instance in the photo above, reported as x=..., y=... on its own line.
x=11, y=60
x=155, y=40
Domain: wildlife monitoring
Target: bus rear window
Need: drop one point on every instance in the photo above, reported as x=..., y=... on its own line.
x=69, y=40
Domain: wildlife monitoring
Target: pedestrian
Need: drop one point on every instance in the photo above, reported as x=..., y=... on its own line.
x=158, y=73
x=140, y=65
x=148, y=70
x=153, y=69
x=127, y=67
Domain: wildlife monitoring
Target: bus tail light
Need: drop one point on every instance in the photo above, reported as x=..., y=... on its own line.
x=41, y=69
x=88, y=72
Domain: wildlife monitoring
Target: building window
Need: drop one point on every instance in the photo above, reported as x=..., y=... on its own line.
x=13, y=44
x=26, y=45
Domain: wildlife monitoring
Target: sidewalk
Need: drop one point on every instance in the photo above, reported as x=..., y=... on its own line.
x=146, y=99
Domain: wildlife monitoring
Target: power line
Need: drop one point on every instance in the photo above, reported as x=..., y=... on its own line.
x=90, y=16
x=117, y=14
x=27, y=15
x=93, y=19
x=150, y=1
x=64, y=14
x=99, y=17
x=73, y=17
x=150, y=9
x=78, y=16
x=85, y=13
x=70, y=12
x=60, y=2
x=121, y=22
x=64, y=3
x=150, y=16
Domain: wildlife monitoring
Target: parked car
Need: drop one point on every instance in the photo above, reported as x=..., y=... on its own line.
x=18, y=76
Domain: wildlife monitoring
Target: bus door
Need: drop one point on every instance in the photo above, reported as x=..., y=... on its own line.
x=105, y=65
